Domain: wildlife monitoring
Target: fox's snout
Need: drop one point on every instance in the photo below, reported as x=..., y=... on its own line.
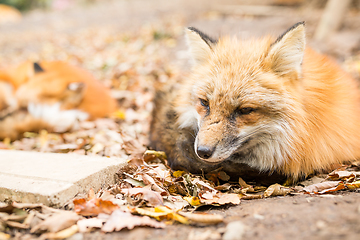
x=210, y=144
x=208, y=137
x=204, y=152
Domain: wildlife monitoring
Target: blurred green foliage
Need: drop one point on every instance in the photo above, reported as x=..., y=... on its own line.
x=24, y=5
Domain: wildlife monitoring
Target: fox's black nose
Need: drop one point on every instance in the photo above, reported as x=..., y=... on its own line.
x=204, y=152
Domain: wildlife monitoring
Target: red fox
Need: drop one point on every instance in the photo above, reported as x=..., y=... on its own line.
x=258, y=107
x=50, y=95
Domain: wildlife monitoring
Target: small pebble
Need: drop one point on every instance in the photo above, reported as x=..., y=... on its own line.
x=234, y=231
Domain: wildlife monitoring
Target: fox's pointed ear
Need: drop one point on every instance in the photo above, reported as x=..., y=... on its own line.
x=287, y=52
x=200, y=44
x=38, y=68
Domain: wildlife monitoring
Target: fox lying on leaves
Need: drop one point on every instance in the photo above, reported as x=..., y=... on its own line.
x=49, y=95
x=265, y=107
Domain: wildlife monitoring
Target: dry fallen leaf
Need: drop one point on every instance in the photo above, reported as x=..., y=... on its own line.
x=223, y=187
x=311, y=181
x=202, y=185
x=276, y=190
x=353, y=185
x=178, y=173
x=86, y=225
x=66, y=233
x=252, y=196
x=341, y=175
x=222, y=199
x=175, y=202
x=57, y=222
x=151, y=154
x=161, y=213
x=93, y=207
x=245, y=188
x=91, y=194
x=154, y=186
x=324, y=187
x=134, y=182
x=151, y=197
x=217, y=175
x=193, y=201
x=29, y=205
x=203, y=218
x=119, y=220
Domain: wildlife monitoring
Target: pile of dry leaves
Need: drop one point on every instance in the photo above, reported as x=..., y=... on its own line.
x=149, y=193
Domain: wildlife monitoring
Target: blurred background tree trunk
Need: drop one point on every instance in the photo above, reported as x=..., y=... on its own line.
x=332, y=18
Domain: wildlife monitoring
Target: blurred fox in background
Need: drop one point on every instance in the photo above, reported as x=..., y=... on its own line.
x=9, y=14
x=49, y=95
x=262, y=107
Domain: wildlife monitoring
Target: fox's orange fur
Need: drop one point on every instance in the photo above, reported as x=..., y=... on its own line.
x=259, y=106
x=50, y=95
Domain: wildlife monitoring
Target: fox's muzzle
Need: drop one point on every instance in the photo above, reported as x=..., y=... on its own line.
x=204, y=152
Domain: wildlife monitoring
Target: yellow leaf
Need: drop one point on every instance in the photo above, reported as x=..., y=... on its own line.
x=179, y=218
x=172, y=214
x=289, y=182
x=162, y=209
x=161, y=213
x=158, y=215
x=7, y=141
x=178, y=173
x=119, y=114
x=30, y=134
x=194, y=201
x=43, y=137
x=158, y=154
x=353, y=185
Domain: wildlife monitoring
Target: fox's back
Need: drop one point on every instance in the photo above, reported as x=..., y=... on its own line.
x=329, y=123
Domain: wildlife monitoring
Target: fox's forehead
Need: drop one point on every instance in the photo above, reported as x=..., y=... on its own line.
x=237, y=54
x=234, y=74
x=234, y=94
x=234, y=63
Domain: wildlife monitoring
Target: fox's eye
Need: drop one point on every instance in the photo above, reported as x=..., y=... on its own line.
x=246, y=110
x=204, y=102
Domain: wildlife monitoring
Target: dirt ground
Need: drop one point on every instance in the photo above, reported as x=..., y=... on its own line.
x=334, y=216
x=290, y=217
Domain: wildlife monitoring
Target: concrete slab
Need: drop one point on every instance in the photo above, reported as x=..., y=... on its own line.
x=52, y=178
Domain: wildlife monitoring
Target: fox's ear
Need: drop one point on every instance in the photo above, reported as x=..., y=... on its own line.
x=37, y=68
x=287, y=52
x=200, y=44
